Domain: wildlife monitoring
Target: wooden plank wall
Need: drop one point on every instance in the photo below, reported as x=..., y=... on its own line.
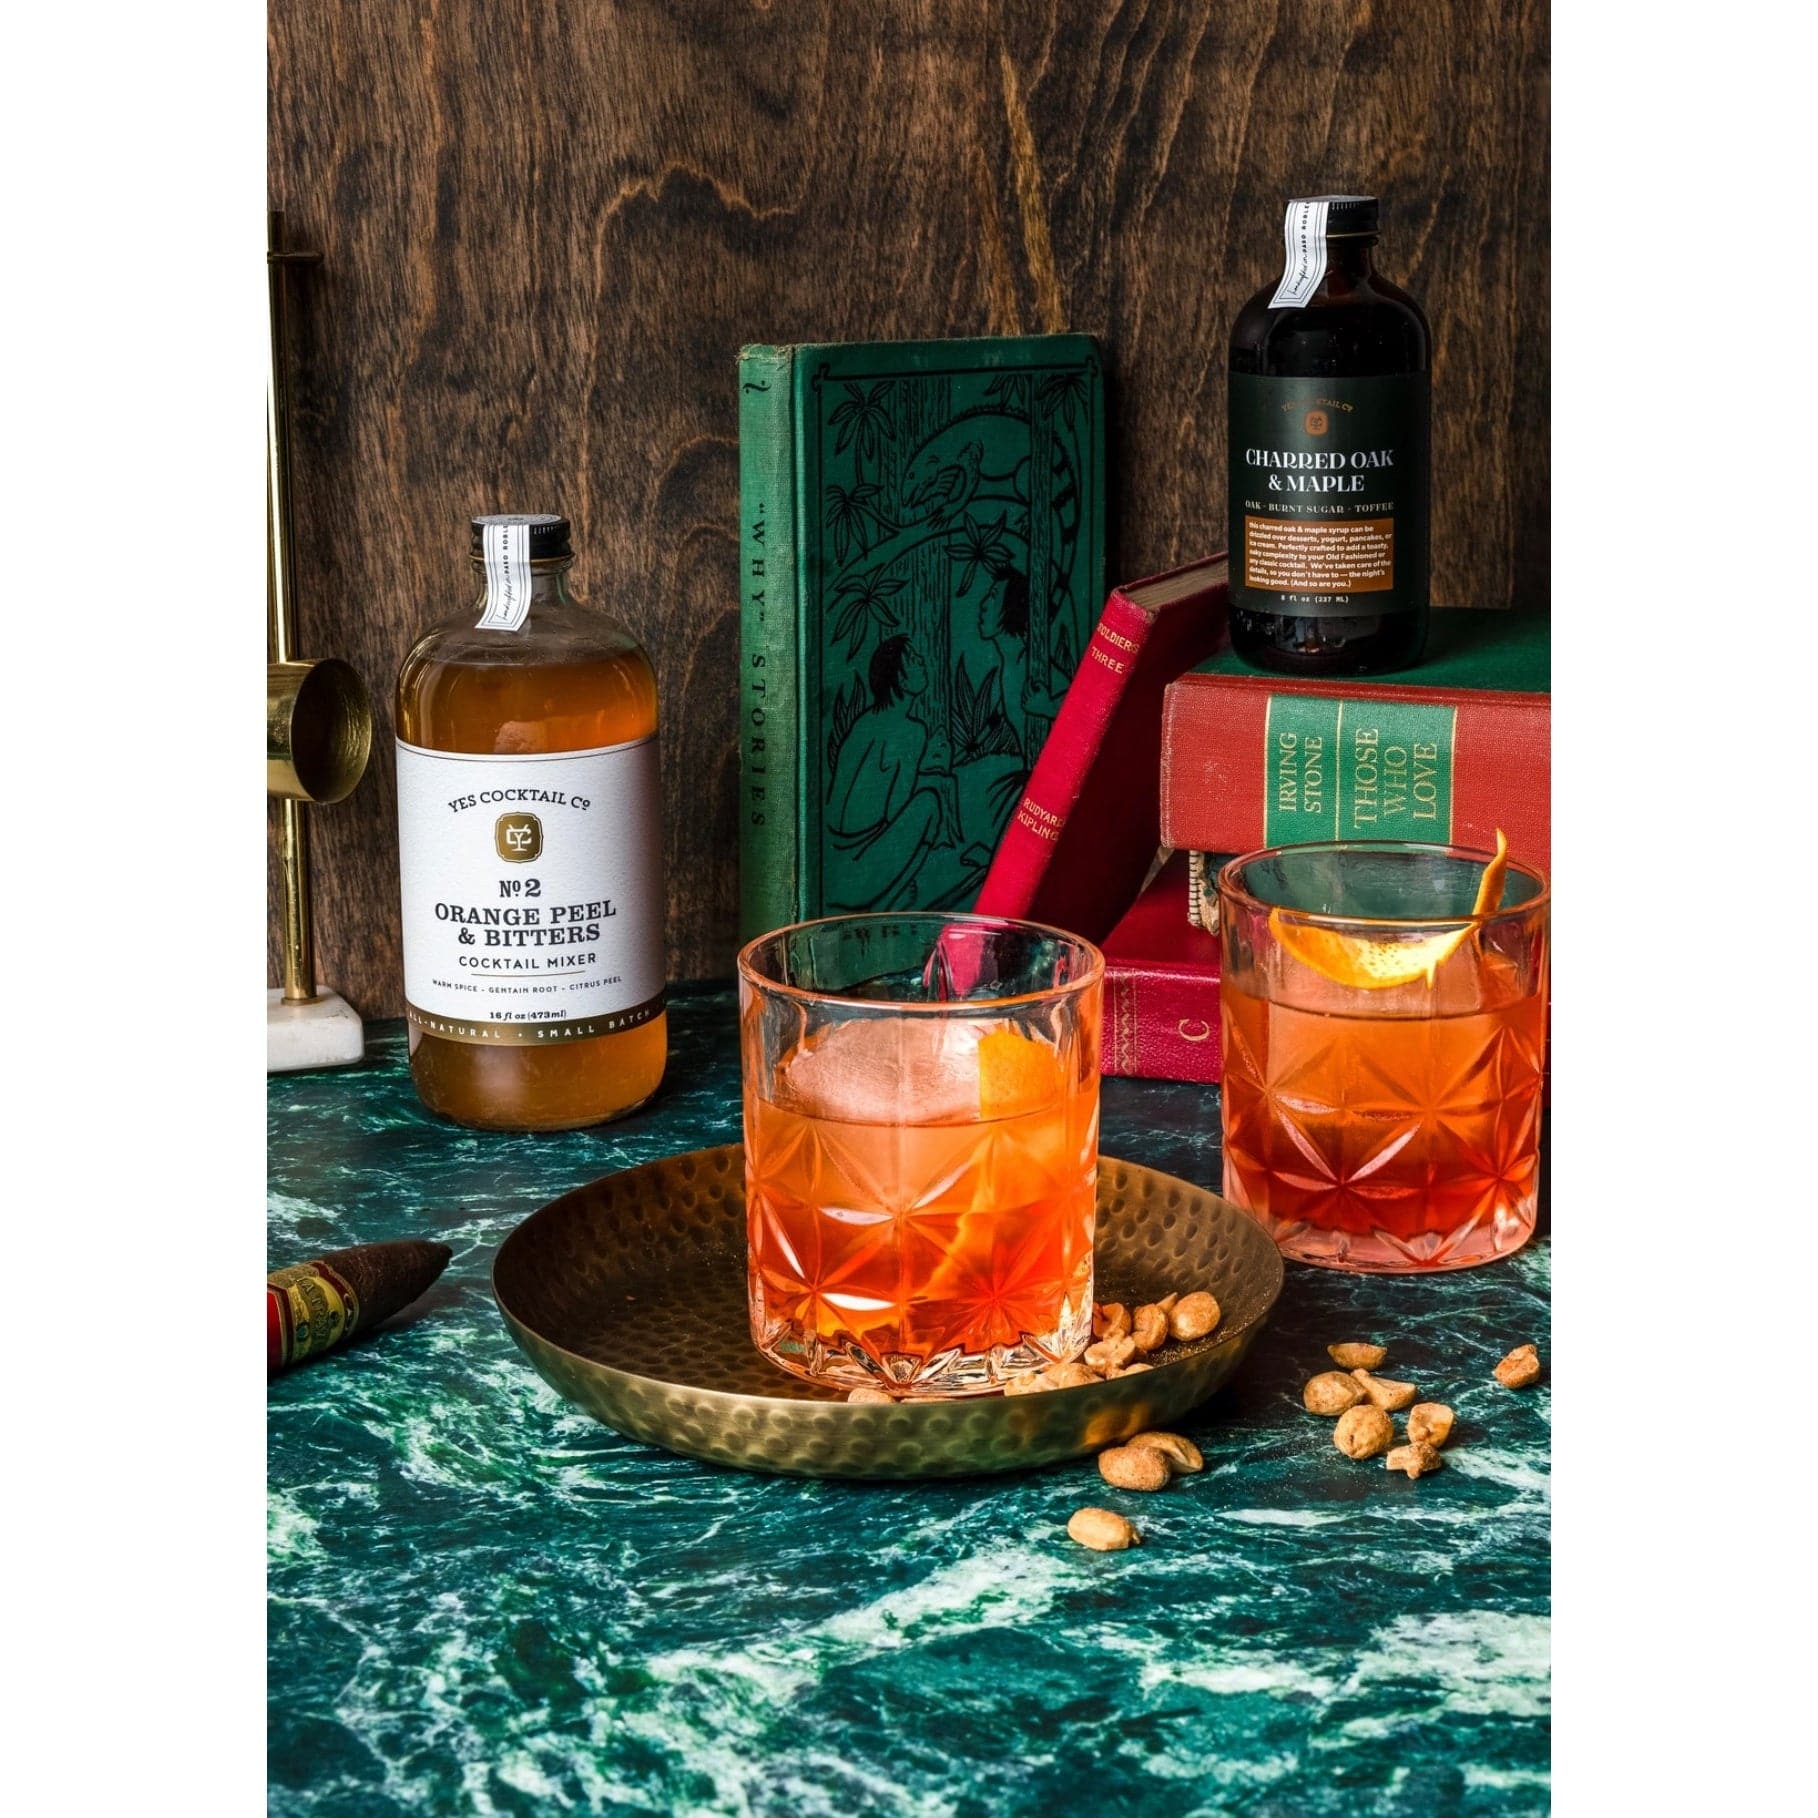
x=549, y=225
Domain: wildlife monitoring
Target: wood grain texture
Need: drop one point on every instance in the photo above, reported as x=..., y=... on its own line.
x=548, y=228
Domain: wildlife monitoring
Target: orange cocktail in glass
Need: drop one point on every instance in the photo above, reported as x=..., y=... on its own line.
x=1384, y=1049
x=921, y=1148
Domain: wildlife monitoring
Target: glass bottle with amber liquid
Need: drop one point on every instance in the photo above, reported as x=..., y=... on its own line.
x=530, y=849
x=1329, y=470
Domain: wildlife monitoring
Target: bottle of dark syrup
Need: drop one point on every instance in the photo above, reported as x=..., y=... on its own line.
x=1329, y=476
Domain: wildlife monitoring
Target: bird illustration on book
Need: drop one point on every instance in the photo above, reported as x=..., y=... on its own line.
x=939, y=489
x=952, y=574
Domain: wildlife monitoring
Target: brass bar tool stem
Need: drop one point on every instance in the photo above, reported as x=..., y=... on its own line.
x=280, y=571
x=299, y=954
x=299, y=957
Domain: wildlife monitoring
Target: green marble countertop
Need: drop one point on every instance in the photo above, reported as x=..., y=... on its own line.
x=482, y=1601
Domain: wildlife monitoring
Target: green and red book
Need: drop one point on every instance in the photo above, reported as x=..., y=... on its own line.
x=922, y=561
x=1447, y=752
x=1078, y=844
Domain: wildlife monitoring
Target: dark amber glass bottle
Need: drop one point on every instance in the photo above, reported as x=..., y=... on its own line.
x=530, y=847
x=1328, y=471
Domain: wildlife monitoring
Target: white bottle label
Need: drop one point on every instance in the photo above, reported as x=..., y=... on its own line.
x=1304, y=235
x=533, y=892
x=505, y=549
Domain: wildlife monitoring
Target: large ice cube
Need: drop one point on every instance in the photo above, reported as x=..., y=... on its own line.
x=889, y=1070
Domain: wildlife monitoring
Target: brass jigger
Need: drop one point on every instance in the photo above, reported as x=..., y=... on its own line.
x=318, y=716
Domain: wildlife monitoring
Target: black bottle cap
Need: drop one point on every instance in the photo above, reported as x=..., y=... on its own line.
x=1346, y=214
x=548, y=534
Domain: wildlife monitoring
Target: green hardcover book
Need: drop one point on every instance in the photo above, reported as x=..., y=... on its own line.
x=923, y=560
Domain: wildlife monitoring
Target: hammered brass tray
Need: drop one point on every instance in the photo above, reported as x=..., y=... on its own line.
x=628, y=1295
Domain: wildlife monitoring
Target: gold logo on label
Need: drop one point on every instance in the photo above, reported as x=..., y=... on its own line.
x=519, y=838
x=1316, y=423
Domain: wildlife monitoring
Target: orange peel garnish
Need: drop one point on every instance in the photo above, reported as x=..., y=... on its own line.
x=1489, y=886
x=1372, y=963
x=1016, y=1074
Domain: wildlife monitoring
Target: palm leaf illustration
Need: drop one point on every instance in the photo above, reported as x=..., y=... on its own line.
x=1010, y=388
x=866, y=598
x=850, y=512
x=1065, y=393
x=864, y=416
x=980, y=546
x=979, y=727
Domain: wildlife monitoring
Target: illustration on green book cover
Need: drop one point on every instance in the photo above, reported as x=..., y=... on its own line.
x=947, y=506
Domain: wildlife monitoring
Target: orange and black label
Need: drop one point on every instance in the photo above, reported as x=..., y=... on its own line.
x=1328, y=504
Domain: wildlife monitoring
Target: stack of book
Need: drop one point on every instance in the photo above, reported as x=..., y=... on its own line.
x=934, y=718
x=1447, y=752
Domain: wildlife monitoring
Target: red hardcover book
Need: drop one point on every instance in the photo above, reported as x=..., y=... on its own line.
x=1161, y=989
x=1074, y=852
x=1448, y=751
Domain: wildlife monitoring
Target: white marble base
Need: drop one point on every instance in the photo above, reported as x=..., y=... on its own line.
x=325, y=1033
